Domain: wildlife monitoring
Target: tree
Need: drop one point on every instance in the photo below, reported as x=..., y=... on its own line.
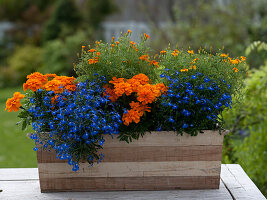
x=65, y=17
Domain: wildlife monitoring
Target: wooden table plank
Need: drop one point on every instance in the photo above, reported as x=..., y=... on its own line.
x=239, y=184
x=30, y=190
x=23, y=183
x=18, y=174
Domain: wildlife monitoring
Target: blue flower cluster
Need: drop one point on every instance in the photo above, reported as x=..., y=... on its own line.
x=193, y=101
x=74, y=123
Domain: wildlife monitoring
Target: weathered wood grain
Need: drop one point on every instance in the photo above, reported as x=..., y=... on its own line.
x=126, y=183
x=30, y=190
x=149, y=154
x=165, y=138
x=239, y=184
x=163, y=155
x=132, y=169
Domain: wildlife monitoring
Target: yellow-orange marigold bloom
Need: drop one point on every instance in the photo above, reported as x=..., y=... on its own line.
x=184, y=70
x=32, y=84
x=116, y=80
x=161, y=87
x=163, y=52
x=235, y=69
x=123, y=88
x=110, y=92
x=91, y=61
x=131, y=116
x=91, y=50
x=83, y=47
x=190, y=52
x=174, y=53
x=223, y=55
x=243, y=58
x=38, y=76
x=13, y=104
x=50, y=75
x=132, y=43
x=142, y=78
x=146, y=36
x=145, y=94
x=129, y=31
x=144, y=57
x=154, y=63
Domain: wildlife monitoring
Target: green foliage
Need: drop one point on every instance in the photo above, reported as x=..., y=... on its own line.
x=65, y=15
x=213, y=66
x=58, y=55
x=247, y=144
x=216, y=25
x=115, y=60
x=25, y=60
x=97, y=11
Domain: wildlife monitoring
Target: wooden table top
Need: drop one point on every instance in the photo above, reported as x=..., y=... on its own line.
x=23, y=184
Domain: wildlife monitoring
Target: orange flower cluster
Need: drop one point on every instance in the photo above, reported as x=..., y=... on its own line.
x=13, y=104
x=49, y=82
x=175, y=52
x=190, y=52
x=138, y=86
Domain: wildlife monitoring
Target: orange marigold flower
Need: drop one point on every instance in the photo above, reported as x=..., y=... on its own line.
x=141, y=78
x=110, y=92
x=116, y=80
x=144, y=57
x=132, y=43
x=32, y=84
x=50, y=75
x=91, y=50
x=98, y=53
x=146, y=36
x=83, y=47
x=38, y=76
x=123, y=88
x=161, y=87
x=184, y=70
x=174, y=53
x=154, y=63
x=131, y=116
x=223, y=55
x=236, y=61
x=193, y=67
x=13, y=104
x=190, y=52
x=145, y=94
x=91, y=61
x=129, y=31
x=243, y=58
x=235, y=69
x=117, y=43
x=163, y=52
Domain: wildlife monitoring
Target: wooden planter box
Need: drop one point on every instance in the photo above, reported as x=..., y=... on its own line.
x=158, y=161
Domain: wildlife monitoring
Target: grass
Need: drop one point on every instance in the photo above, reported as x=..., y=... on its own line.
x=15, y=147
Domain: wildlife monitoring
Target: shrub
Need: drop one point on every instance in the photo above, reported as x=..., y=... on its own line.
x=25, y=60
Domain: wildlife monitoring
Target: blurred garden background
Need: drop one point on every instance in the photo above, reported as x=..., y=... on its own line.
x=45, y=36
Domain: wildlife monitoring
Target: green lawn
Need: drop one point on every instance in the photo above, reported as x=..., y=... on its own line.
x=15, y=147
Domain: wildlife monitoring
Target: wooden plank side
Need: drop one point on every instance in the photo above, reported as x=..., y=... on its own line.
x=239, y=184
x=132, y=169
x=148, y=154
x=126, y=183
x=30, y=190
x=18, y=174
x=164, y=138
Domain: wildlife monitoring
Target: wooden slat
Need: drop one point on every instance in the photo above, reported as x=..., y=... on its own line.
x=132, y=169
x=30, y=190
x=239, y=184
x=149, y=154
x=18, y=174
x=134, y=183
x=169, y=139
